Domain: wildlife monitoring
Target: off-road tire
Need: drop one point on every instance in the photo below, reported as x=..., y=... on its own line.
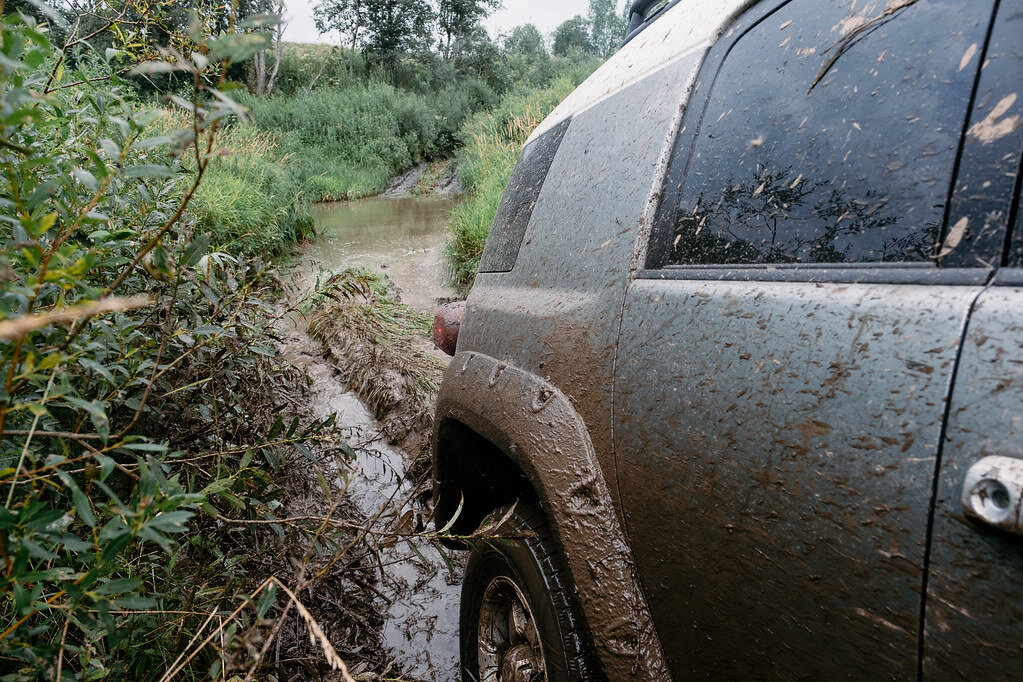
x=525, y=553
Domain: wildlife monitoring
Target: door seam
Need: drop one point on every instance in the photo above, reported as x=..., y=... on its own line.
x=932, y=505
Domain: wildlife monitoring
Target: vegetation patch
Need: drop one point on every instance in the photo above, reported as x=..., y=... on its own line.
x=379, y=348
x=145, y=422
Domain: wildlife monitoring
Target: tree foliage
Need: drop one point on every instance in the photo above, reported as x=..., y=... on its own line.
x=347, y=17
x=607, y=27
x=526, y=40
x=459, y=20
x=385, y=28
x=573, y=37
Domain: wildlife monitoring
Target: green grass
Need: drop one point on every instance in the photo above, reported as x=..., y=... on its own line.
x=253, y=199
x=346, y=143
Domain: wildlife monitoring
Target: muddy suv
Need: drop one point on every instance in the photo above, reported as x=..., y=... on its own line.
x=740, y=381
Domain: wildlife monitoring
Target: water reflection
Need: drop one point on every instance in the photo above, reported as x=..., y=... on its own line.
x=403, y=238
x=777, y=217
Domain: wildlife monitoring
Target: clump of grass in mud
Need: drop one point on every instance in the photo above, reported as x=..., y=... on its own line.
x=434, y=175
x=378, y=346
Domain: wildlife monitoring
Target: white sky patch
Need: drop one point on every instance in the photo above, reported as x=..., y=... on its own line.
x=546, y=14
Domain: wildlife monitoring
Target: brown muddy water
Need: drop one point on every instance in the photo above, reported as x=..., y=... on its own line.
x=419, y=590
x=403, y=238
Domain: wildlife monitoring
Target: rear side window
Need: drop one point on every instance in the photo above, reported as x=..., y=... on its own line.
x=830, y=135
x=519, y=199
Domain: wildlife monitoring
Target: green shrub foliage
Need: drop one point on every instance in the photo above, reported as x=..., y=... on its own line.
x=129, y=343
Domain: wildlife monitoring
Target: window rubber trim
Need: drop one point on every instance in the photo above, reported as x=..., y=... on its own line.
x=1008, y=277
x=844, y=273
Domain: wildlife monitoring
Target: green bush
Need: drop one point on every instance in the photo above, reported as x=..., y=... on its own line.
x=345, y=144
x=345, y=127
x=137, y=384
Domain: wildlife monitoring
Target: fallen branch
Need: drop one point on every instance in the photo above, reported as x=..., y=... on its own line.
x=17, y=328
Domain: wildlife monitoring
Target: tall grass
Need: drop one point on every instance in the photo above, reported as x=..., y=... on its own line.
x=253, y=198
x=346, y=143
x=492, y=144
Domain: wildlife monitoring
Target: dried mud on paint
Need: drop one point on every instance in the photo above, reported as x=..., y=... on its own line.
x=411, y=589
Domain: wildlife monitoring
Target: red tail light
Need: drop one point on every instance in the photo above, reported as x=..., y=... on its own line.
x=445, y=326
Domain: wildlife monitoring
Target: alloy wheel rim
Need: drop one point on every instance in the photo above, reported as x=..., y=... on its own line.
x=508, y=640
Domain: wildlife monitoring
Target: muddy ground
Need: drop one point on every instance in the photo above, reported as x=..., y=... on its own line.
x=385, y=595
x=407, y=587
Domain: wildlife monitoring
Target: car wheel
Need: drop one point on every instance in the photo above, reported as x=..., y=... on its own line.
x=519, y=621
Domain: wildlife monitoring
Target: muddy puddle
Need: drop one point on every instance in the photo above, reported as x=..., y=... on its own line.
x=403, y=238
x=419, y=589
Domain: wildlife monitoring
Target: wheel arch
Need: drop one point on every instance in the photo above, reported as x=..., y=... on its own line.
x=472, y=477
x=502, y=431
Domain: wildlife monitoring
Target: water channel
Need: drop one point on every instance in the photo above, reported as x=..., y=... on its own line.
x=403, y=238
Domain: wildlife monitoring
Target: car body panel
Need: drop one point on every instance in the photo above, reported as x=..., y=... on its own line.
x=777, y=444
x=556, y=313
x=974, y=615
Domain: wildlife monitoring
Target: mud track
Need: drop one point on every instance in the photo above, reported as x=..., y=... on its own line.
x=394, y=611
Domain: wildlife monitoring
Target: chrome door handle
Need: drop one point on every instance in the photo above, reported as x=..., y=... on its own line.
x=992, y=493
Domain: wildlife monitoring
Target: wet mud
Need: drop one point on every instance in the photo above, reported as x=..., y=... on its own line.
x=417, y=588
x=417, y=583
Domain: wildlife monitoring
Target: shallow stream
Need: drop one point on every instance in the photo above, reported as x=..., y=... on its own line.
x=403, y=238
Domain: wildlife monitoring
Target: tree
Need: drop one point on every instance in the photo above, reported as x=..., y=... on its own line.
x=527, y=40
x=262, y=84
x=347, y=17
x=398, y=26
x=477, y=55
x=385, y=28
x=459, y=19
x=607, y=28
x=573, y=36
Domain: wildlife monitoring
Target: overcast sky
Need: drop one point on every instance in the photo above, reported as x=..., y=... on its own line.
x=546, y=14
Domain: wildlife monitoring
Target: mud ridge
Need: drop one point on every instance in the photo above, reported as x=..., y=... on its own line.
x=379, y=349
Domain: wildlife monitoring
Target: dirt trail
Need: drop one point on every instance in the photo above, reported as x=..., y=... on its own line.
x=416, y=587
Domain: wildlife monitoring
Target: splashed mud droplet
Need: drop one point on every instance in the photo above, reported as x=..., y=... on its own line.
x=971, y=52
x=993, y=127
x=955, y=236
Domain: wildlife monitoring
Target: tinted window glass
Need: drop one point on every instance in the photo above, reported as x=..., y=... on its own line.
x=516, y=207
x=831, y=133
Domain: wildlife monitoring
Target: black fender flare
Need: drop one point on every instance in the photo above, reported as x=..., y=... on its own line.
x=536, y=426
